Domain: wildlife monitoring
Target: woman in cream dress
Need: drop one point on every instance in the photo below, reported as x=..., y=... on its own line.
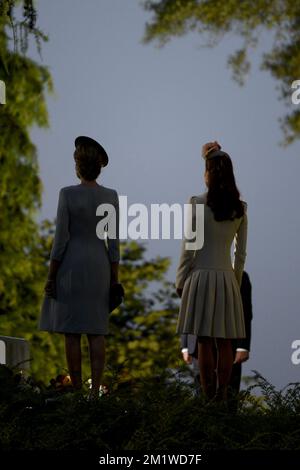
x=207, y=282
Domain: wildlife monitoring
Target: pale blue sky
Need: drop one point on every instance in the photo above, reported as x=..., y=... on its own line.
x=152, y=109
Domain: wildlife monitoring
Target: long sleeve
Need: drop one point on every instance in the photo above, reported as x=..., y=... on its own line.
x=240, y=245
x=246, y=293
x=113, y=243
x=62, y=234
x=184, y=341
x=186, y=258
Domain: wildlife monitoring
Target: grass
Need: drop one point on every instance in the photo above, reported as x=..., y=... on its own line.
x=160, y=414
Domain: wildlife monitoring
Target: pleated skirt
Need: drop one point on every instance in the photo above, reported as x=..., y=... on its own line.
x=211, y=305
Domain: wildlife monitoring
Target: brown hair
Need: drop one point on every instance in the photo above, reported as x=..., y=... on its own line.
x=223, y=196
x=88, y=161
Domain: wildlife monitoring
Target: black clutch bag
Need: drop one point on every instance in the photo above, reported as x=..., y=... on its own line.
x=116, y=296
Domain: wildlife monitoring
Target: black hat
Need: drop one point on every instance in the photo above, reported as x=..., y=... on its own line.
x=82, y=139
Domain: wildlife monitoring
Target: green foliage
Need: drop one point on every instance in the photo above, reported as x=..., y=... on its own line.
x=22, y=320
x=24, y=245
x=23, y=28
x=20, y=186
x=143, y=329
x=285, y=401
x=158, y=413
x=247, y=19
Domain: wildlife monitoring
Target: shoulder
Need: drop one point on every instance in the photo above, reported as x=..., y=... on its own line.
x=67, y=189
x=199, y=199
x=66, y=192
x=110, y=192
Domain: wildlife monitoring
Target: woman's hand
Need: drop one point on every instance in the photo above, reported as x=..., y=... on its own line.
x=209, y=146
x=50, y=288
x=187, y=357
x=241, y=356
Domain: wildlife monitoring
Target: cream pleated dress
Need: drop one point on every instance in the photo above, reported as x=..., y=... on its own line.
x=211, y=303
x=83, y=277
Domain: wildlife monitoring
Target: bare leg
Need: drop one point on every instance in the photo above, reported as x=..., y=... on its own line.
x=73, y=355
x=224, y=366
x=97, y=358
x=207, y=366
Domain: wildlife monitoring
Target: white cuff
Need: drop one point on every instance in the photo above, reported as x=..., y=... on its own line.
x=241, y=350
x=184, y=350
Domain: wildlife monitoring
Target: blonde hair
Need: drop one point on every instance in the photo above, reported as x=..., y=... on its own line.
x=88, y=161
